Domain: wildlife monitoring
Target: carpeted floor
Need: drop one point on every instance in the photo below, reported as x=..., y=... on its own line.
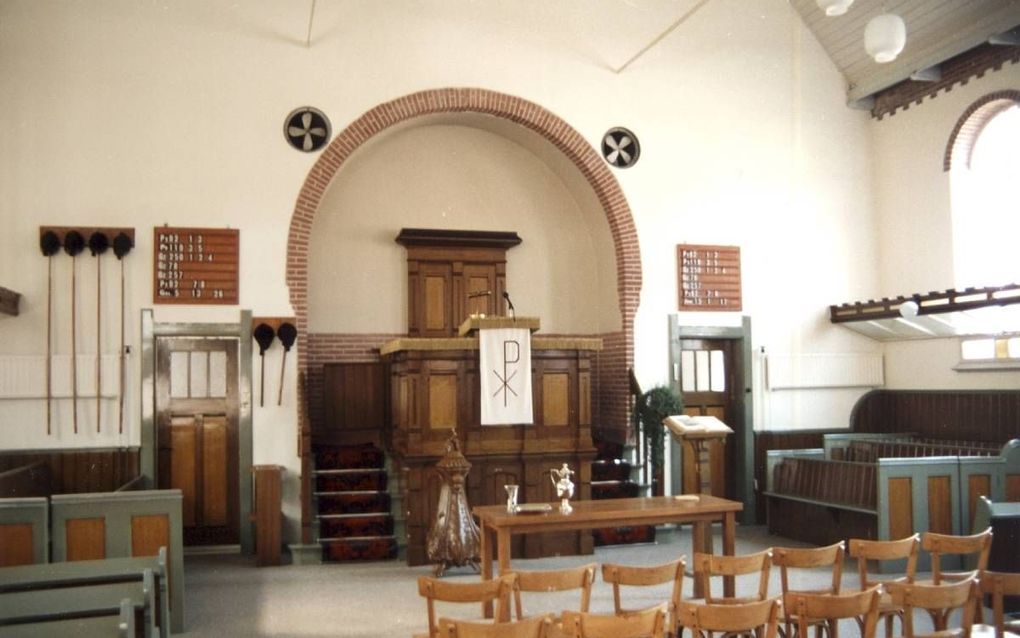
x=227, y=596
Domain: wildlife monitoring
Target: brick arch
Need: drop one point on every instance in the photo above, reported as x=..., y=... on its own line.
x=970, y=124
x=618, y=352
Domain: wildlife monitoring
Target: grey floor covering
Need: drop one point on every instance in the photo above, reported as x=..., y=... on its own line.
x=227, y=596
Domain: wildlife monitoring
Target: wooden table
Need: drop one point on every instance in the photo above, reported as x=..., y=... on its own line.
x=497, y=526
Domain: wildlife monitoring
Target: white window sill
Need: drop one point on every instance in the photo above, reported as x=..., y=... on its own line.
x=987, y=365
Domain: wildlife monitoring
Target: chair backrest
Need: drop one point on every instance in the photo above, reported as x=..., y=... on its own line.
x=904, y=548
x=942, y=598
x=536, y=627
x=862, y=605
x=580, y=578
x=708, y=565
x=649, y=623
x=998, y=585
x=788, y=558
x=485, y=591
x=703, y=619
x=939, y=545
x=642, y=576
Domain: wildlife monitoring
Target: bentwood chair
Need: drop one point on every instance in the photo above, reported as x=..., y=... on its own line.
x=649, y=623
x=978, y=546
x=939, y=601
x=620, y=576
x=554, y=580
x=536, y=627
x=997, y=585
x=707, y=566
x=828, y=609
x=759, y=619
x=878, y=551
x=434, y=590
x=797, y=561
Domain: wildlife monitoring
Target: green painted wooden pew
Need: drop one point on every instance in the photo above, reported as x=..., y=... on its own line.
x=68, y=574
x=36, y=610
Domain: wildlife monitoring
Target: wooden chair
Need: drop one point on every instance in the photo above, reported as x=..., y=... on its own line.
x=641, y=576
x=649, y=623
x=708, y=565
x=536, y=627
x=901, y=549
x=939, y=601
x=759, y=618
x=997, y=585
x=486, y=591
x=580, y=578
x=939, y=545
x=828, y=609
x=803, y=558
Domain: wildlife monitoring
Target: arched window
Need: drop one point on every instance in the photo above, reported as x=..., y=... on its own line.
x=983, y=159
x=984, y=163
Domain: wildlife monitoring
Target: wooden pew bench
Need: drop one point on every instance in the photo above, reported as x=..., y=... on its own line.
x=32, y=612
x=70, y=574
x=122, y=626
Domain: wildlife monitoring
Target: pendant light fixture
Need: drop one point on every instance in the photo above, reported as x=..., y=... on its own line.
x=834, y=7
x=884, y=37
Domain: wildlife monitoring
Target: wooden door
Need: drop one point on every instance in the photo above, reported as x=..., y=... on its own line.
x=197, y=432
x=708, y=371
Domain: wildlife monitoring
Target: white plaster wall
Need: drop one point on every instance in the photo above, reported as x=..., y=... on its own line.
x=912, y=198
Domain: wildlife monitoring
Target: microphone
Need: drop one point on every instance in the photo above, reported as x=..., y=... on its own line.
x=510, y=305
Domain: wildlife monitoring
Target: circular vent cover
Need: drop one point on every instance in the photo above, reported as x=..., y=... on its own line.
x=307, y=129
x=620, y=147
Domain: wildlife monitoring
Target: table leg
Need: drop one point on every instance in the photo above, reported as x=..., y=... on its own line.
x=698, y=545
x=485, y=551
x=503, y=550
x=729, y=536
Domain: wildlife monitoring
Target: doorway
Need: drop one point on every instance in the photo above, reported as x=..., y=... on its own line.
x=711, y=369
x=196, y=429
x=197, y=434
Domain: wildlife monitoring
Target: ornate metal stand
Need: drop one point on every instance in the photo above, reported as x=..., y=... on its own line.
x=453, y=540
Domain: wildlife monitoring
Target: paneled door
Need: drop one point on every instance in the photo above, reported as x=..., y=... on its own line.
x=708, y=387
x=197, y=433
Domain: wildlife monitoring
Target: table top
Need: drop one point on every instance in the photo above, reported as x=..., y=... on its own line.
x=632, y=510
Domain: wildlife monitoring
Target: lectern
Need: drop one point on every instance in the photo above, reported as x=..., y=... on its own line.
x=698, y=431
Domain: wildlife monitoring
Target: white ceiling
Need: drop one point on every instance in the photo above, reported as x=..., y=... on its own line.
x=936, y=30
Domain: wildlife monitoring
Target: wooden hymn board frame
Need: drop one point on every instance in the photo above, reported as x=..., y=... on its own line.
x=709, y=277
x=195, y=266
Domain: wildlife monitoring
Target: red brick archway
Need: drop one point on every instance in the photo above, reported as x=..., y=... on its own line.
x=618, y=354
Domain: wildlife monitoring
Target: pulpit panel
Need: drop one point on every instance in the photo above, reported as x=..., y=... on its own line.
x=442, y=401
x=555, y=399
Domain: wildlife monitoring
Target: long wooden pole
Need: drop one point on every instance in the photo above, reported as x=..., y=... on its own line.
x=99, y=351
x=120, y=393
x=74, y=343
x=49, y=341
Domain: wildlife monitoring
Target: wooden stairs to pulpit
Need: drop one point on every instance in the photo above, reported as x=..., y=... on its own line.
x=611, y=478
x=355, y=522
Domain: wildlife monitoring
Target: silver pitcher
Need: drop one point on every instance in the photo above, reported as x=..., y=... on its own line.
x=564, y=487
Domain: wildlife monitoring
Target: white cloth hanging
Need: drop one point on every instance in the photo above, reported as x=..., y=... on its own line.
x=505, y=373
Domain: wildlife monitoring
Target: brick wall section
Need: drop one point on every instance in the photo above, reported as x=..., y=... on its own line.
x=956, y=70
x=612, y=386
x=317, y=349
x=967, y=128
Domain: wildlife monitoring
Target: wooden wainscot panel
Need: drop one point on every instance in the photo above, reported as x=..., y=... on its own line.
x=940, y=503
x=442, y=401
x=555, y=399
x=16, y=546
x=978, y=485
x=149, y=533
x=901, y=513
x=1013, y=488
x=86, y=538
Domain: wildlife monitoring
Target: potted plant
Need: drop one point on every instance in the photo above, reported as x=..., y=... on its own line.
x=651, y=409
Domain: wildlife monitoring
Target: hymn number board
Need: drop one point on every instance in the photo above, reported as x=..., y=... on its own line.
x=709, y=277
x=196, y=266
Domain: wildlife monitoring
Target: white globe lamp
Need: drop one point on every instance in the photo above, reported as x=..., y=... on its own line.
x=884, y=37
x=834, y=7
